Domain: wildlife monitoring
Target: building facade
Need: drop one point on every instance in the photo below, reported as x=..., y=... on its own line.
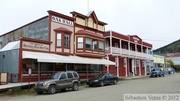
x=131, y=55
x=54, y=43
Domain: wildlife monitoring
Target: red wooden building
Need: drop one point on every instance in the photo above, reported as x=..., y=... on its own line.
x=130, y=53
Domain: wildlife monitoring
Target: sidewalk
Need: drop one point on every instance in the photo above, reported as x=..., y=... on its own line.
x=11, y=85
x=133, y=77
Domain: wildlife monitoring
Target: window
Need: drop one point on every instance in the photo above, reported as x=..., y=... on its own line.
x=94, y=44
x=116, y=45
x=88, y=43
x=137, y=63
x=94, y=68
x=69, y=75
x=124, y=47
x=106, y=44
x=143, y=63
x=59, y=39
x=63, y=76
x=80, y=42
x=125, y=62
x=66, y=40
x=101, y=45
x=75, y=74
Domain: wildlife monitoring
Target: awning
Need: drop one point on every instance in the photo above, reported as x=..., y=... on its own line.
x=55, y=58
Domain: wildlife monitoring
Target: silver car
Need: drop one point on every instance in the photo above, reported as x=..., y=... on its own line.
x=58, y=81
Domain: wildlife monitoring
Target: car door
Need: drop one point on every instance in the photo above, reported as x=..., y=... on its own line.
x=106, y=79
x=69, y=79
x=61, y=84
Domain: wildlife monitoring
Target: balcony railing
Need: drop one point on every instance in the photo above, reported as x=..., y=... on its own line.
x=128, y=53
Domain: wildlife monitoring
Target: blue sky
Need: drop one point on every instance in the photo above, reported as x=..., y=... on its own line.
x=155, y=21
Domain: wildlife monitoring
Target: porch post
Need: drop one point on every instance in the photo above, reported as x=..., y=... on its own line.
x=140, y=68
x=132, y=66
x=117, y=60
x=38, y=71
x=145, y=68
x=126, y=65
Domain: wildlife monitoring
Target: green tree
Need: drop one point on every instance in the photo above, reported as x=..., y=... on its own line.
x=170, y=62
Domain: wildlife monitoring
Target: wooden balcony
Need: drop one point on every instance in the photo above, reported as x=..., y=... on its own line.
x=128, y=53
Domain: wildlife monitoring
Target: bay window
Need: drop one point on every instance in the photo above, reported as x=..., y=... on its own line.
x=94, y=44
x=80, y=42
x=88, y=43
x=66, y=40
x=59, y=39
x=101, y=45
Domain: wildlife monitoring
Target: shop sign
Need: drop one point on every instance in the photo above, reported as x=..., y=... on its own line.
x=61, y=20
x=35, y=46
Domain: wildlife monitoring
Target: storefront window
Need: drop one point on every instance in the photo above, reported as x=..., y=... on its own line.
x=29, y=64
x=59, y=39
x=66, y=40
x=101, y=45
x=80, y=42
x=80, y=67
x=94, y=68
x=88, y=43
x=46, y=67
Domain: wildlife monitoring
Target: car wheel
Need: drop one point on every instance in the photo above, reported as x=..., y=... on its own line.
x=52, y=89
x=101, y=83
x=115, y=82
x=159, y=75
x=163, y=75
x=39, y=92
x=75, y=87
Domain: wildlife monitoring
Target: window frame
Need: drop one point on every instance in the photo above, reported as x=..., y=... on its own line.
x=88, y=43
x=100, y=45
x=60, y=40
x=80, y=42
x=68, y=41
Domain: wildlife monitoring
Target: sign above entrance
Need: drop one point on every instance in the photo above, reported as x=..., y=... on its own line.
x=61, y=20
x=35, y=46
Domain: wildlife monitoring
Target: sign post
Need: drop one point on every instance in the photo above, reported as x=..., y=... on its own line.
x=29, y=72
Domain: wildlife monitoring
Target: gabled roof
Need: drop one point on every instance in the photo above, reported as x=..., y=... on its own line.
x=88, y=15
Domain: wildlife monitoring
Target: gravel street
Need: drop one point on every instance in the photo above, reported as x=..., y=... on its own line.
x=169, y=84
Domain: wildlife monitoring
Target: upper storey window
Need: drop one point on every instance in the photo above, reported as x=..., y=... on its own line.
x=101, y=45
x=66, y=40
x=80, y=42
x=88, y=43
x=59, y=39
x=94, y=44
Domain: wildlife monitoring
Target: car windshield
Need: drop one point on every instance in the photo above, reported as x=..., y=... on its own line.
x=99, y=76
x=54, y=76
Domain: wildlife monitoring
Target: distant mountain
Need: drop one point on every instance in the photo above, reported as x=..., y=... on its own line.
x=173, y=47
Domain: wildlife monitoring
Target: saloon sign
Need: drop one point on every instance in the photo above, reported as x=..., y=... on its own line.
x=35, y=46
x=61, y=20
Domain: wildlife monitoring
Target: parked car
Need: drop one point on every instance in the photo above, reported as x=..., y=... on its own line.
x=157, y=72
x=58, y=81
x=102, y=79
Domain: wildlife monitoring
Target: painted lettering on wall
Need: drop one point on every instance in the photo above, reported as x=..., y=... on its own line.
x=35, y=46
x=136, y=39
x=61, y=20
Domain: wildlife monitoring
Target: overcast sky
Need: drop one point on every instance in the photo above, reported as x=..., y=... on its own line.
x=155, y=21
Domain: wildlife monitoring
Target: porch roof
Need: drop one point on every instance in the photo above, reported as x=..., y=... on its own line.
x=55, y=58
